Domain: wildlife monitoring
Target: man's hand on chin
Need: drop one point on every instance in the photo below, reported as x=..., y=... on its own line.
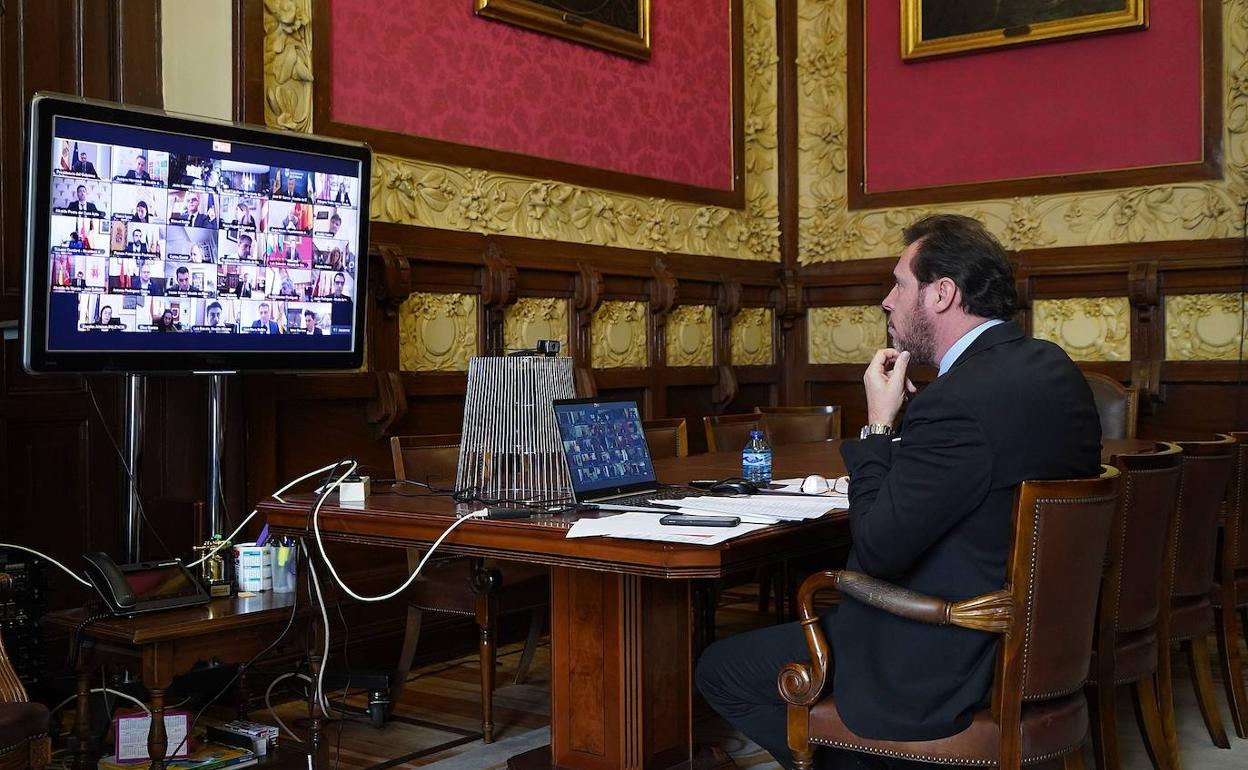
x=886, y=385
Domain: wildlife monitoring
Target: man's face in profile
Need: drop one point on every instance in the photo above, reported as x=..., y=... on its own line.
x=184, y=280
x=909, y=321
x=214, y=316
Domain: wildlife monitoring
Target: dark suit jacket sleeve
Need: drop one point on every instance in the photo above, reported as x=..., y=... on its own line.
x=905, y=495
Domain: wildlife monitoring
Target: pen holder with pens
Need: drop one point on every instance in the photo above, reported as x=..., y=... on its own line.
x=285, y=561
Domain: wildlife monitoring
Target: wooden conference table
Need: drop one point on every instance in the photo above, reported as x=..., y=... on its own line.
x=621, y=631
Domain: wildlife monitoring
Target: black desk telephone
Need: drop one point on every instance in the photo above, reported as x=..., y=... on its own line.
x=128, y=589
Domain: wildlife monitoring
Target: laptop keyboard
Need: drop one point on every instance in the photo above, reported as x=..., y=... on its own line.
x=667, y=493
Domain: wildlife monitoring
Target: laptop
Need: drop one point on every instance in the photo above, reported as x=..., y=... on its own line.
x=608, y=459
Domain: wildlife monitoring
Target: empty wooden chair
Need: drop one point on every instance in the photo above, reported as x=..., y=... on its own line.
x=464, y=585
x=24, y=741
x=800, y=424
x=667, y=437
x=1126, y=646
x=1230, y=591
x=1046, y=614
x=1190, y=548
x=1117, y=405
x=729, y=432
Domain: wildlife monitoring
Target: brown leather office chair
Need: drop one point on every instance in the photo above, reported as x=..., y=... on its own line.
x=24, y=741
x=1230, y=589
x=1190, y=548
x=1117, y=405
x=799, y=424
x=1126, y=646
x=729, y=432
x=667, y=437
x=1046, y=613
x=464, y=585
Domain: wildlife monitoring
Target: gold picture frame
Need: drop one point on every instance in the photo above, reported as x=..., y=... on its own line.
x=603, y=28
x=958, y=27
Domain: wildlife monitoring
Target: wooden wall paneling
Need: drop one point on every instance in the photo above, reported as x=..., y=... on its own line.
x=62, y=474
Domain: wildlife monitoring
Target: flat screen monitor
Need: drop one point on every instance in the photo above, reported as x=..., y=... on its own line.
x=160, y=242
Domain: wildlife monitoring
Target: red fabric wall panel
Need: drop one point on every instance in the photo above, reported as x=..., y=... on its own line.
x=431, y=68
x=1121, y=100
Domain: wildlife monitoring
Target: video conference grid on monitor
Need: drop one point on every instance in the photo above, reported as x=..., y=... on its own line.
x=154, y=241
x=605, y=444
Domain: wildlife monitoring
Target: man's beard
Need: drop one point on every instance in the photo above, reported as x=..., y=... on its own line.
x=920, y=340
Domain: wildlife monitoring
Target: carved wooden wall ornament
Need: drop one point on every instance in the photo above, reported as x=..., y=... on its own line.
x=752, y=337
x=690, y=332
x=619, y=336
x=845, y=334
x=1087, y=328
x=437, y=332
x=1204, y=327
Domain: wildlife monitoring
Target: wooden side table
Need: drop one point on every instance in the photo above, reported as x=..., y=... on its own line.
x=164, y=644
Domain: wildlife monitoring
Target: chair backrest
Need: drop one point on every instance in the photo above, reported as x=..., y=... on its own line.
x=1236, y=530
x=1148, y=492
x=728, y=432
x=1206, y=470
x=1117, y=405
x=668, y=437
x=1061, y=529
x=11, y=689
x=798, y=424
x=432, y=459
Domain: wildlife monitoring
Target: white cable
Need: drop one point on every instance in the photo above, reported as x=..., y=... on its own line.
x=109, y=690
x=269, y=703
x=320, y=545
x=320, y=599
x=69, y=571
x=276, y=496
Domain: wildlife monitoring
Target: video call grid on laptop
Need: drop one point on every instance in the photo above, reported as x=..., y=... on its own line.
x=606, y=451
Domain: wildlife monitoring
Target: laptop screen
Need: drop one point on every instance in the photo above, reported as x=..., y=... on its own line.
x=605, y=446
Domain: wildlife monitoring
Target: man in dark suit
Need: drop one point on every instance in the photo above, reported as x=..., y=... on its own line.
x=929, y=504
x=265, y=321
x=139, y=172
x=79, y=282
x=192, y=216
x=148, y=285
x=84, y=166
x=80, y=204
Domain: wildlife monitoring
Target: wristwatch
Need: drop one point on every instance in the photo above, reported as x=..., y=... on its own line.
x=876, y=429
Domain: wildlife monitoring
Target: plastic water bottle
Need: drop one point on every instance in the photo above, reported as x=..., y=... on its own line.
x=756, y=459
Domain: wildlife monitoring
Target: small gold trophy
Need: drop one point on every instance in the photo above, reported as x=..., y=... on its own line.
x=212, y=569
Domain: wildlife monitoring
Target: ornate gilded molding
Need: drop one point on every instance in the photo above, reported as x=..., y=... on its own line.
x=288, y=64
x=416, y=192
x=829, y=231
x=690, y=335
x=845, y=334
x=751, y=337
x=618, y=336
x=536, y=318
x=1205, y=327
x=1087, y=328
x=437, y=332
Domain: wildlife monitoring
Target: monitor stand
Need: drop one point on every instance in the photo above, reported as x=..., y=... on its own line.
x=136, y=388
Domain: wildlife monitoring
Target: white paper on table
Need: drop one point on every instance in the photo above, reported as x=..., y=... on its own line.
x=646, y=526
x=783, y=507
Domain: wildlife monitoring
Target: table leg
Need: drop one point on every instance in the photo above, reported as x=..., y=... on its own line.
x=82, y=757
x=157, y=741
x=621, y=674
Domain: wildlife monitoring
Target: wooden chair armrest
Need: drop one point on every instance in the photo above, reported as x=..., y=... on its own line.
x=802, y=683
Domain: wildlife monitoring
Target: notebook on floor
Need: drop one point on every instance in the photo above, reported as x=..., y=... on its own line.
x=607, y=455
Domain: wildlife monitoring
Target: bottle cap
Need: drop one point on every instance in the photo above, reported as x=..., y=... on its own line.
x=756, y=434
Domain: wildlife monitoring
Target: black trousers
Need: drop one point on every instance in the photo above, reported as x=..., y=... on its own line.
x=737, y=677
